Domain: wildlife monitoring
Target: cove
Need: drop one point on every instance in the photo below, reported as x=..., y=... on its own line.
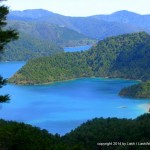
x=63, y=106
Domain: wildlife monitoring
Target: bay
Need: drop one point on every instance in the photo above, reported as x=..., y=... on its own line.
x=63, y=106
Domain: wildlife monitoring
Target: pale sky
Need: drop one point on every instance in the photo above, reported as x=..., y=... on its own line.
x=82, y=7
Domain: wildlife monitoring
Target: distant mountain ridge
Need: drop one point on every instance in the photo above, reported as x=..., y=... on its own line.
x=127, y=17
x=99, y=26
x=31, y=14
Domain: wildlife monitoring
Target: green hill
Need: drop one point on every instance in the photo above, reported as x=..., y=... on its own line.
x=122, y=56
x=110, y=134
x=141, y=90
x=28, y=47
x=113, y=133
x=57, y=34
x=41, y=39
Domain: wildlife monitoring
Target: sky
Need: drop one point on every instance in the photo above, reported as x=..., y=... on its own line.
x=82, y=7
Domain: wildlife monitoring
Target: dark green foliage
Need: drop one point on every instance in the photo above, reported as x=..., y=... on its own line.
x=19, y=136
x=141, y=90
x=5, y=37
x=125, y=56
x=64, y=66
x=108, y=57
x=111, y=130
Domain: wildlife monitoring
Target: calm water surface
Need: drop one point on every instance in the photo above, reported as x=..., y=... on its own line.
x=63, y=106
x=77, y=48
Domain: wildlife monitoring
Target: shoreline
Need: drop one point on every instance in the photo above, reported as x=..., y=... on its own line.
x=53, y=82
x=145, y=107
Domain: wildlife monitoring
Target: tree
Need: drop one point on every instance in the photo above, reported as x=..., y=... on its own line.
x=6, y=35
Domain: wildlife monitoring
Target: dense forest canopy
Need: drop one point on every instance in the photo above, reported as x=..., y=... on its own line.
x=122, y=56
x=141, y=90
x=120, y=134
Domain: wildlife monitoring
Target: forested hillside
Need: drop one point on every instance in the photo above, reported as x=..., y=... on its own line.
x=141, y=90
x=112, y=133
x=57, y=34
x=65, y=66
x=27, y=47
x=41, y=39
x=125, y=56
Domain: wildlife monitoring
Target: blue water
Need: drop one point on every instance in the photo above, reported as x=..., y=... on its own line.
x=77, y=48
x=7, y=69
x=63, y=106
